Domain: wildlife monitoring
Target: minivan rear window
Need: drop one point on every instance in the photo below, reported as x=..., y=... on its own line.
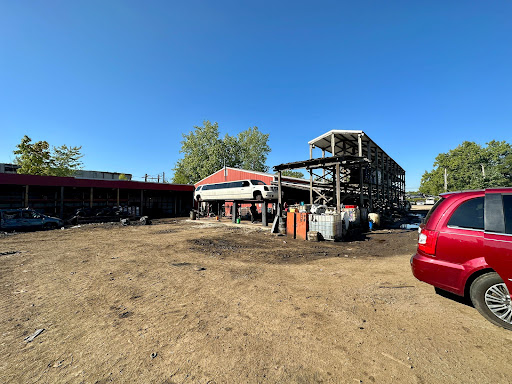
x=433, y=209
x=469, y=214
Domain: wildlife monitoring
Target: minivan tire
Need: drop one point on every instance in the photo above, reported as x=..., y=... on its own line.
x=491, y=288
x=258, y=196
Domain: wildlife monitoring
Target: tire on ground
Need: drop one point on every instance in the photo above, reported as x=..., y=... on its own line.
x=477, y=292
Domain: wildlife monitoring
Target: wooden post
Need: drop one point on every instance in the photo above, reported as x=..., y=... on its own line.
x=310, y=176
x=91, y=198
x=264, y=206
x=338, y=189
x=118, y=197
x=377, y=172
x=344, y=154
x=26, y=196
x=360, y=154
x=370, y=182
x=279, y=193
x=311, y=186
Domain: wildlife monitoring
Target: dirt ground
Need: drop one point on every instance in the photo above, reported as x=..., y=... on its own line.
x=200, y=302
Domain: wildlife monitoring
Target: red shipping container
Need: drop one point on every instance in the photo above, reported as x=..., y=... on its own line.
x=302, y=225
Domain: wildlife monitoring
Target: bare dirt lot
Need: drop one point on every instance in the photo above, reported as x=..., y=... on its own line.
x=189, y=302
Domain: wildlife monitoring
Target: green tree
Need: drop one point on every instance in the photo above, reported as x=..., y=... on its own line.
x=289, y=173
x=38, y=159
x=65, y=161
x=205, y=153
x=33, y=159
x=253, y=149
x=122, y=176
x=469, y=166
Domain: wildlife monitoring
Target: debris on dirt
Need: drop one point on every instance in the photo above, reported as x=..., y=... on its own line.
x=9, y=253
x=144, y=220
x=29, y=339
x=154, y=354
x=396, y=360
x=180, y=264
x=199, y=269
x=125, y=222
x=126, y=314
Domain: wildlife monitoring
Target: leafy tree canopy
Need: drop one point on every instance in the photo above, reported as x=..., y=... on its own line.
x=38, y=159
x=470, y=166
x=205, y=153
x=289, y=173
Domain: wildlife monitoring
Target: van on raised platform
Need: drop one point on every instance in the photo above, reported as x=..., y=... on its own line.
x=236, y=190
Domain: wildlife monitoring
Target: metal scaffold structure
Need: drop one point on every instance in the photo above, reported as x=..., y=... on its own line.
x=357, y=170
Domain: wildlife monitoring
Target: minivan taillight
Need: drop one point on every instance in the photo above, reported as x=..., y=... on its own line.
x=427, y=241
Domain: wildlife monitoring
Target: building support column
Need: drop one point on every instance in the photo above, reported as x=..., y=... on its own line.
x=61, y=215
x=361, y=182
x=279, y=194
x=91, y=197
x=26, y=196
x=370, y=182
x=142, y=202
x=311, y=176
x=338, y=189
x=234, y=211
x=118, y=197
x=264, y=206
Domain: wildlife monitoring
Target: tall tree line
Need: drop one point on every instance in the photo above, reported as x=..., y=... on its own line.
x=470, y=166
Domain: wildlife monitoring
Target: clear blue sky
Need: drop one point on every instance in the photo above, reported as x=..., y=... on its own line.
x=125, y=79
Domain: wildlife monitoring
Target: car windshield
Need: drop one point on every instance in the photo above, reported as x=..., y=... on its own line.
x=257, y=182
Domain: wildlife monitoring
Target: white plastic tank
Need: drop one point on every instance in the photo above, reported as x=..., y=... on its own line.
x=374, y=218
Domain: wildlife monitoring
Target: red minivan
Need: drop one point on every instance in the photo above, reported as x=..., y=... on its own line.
x=465, y=247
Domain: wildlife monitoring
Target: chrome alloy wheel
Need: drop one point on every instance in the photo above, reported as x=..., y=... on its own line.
x=497, y=299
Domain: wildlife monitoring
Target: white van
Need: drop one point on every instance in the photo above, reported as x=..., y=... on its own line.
x=236, y=190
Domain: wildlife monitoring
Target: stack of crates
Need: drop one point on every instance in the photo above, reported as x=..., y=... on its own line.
x=329, y=226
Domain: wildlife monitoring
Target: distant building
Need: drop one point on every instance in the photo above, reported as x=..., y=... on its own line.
x=80, y=174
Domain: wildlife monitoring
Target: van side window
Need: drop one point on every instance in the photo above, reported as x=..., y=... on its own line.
x=469, y=214
x=245, y=183
x=507, y=212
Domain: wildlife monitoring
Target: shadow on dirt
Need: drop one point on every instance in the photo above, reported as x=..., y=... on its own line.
x=271, y=249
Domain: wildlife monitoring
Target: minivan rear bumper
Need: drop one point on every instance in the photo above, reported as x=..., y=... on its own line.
x=431, y=270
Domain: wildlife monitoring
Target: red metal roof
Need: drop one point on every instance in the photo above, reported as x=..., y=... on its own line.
x=55, y=181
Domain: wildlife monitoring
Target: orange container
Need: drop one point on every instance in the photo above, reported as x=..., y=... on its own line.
x=302, y=225
x=290, y=224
